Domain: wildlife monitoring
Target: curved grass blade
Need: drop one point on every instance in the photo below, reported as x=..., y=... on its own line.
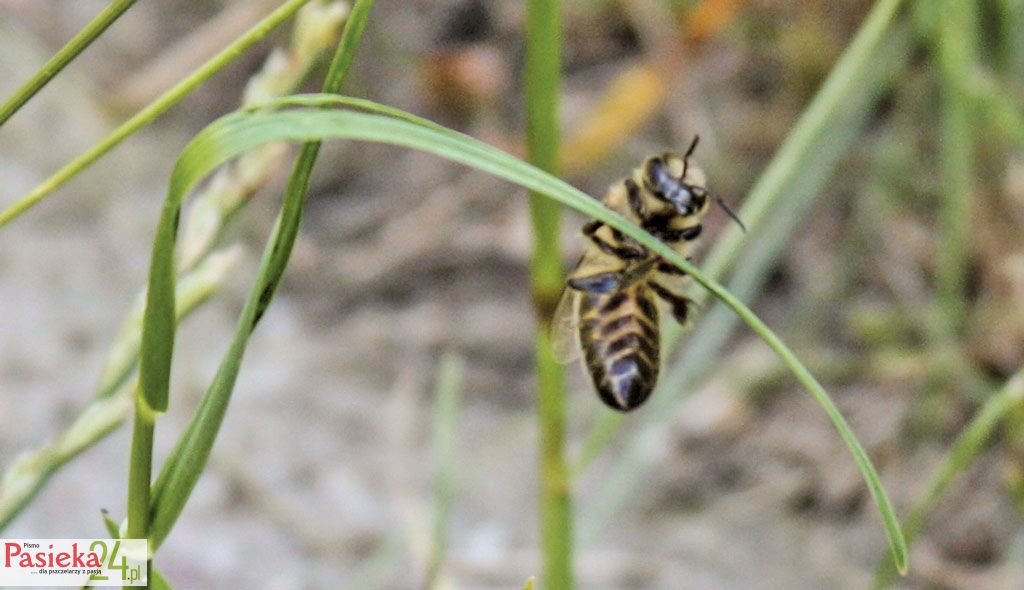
x=185, y=465
x=776, y=204
x=236, y=133
x=968, y=444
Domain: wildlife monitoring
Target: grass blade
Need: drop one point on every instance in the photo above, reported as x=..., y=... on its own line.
x=150, y=113
x=968, y=444
x=542, y=76
x=778, y=201
x=63, y=57
x=239, y=132
x=451, y=375
x=185, y=465
x=27, y=474
x=955, y=47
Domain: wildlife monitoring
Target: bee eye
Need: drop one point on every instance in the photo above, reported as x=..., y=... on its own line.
x=656, y=178
x=651, y=170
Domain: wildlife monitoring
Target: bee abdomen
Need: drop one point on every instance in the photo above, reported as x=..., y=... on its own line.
x=620, y=345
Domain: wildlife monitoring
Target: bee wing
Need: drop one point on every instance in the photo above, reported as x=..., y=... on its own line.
x=565, y=327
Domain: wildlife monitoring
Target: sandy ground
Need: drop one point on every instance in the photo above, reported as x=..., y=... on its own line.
x=321, y=476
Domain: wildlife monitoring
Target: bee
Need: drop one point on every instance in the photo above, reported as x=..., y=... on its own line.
x=611, y=303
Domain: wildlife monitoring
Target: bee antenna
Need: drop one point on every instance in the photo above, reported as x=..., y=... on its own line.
x=693, y=146
x=730, y=213
x=689, y=152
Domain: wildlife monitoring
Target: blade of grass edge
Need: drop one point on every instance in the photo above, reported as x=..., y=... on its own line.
x=715, y=327
x=241, y=131
x=810, y=139
x=451, y=375
x=968, y=444
x=183, y=468
x=542, y=80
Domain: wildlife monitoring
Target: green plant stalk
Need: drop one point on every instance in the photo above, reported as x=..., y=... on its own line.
x=140, y=470
x=956, y=57
x=63, y=57
x=451, y=375
x=856, y=62
x=201, y=269
x=27, y=474
x=150, y=113
x=159, y=328
x=777, y=203
x=968, y=444
x=542, y=77
x=1011, y=45
x=241, y=131
x=997, y=105
x=182, y=470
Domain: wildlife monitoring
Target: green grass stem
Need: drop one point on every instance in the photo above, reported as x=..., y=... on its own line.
x=968, y=444
x=184, y=467
x=152, y=111
x=27, y=474
x=956, y=55
x=542, y=81
x=241, y=131
x=63, y=57
x=448, y=398
x=777, y=203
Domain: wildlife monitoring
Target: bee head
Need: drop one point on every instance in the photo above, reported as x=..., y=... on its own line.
x=672, y=179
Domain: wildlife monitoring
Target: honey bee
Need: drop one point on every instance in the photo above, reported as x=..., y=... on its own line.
x=610, y=306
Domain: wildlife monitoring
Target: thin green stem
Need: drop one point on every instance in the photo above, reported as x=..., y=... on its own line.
x=1011, y=42
x=543, y=79
x=896, y=542
x=966, y=447
x=70, y=51
x=140, y=473
x=451, y=374
x=150, y=113
x=956, y=57
x=182, y=470
x=152, y=395
x=779, y=200
x=241, y=131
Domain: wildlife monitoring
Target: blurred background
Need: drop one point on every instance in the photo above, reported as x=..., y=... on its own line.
x=324, y=475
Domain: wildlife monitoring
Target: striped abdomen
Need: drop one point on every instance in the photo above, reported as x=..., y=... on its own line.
x=619, y=338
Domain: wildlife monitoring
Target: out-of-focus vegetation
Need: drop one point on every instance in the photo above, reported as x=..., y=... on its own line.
x=876, y=149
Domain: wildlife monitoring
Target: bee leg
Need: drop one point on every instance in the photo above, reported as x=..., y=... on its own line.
x=671, y=269
x=671, y=236
x=679, y=304
x=636, y=202
x=625, y=252
x=606, y=282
